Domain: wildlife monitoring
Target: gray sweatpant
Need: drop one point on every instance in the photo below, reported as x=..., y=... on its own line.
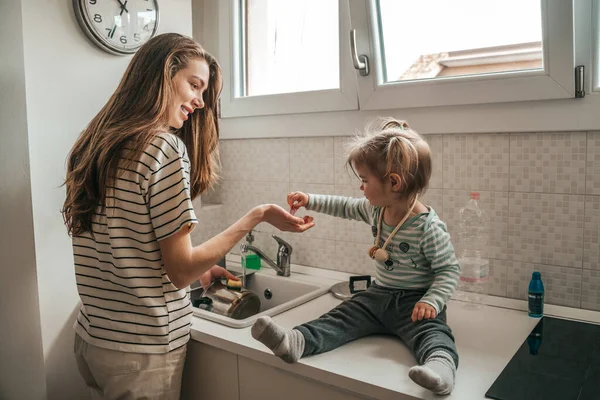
x=380, y=310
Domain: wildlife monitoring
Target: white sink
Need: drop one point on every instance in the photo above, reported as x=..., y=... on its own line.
x=277, y=294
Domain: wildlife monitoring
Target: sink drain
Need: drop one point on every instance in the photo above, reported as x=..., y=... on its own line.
x=268, y=294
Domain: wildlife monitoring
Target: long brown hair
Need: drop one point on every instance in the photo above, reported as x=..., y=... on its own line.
x=389, y=146
x=132, y=117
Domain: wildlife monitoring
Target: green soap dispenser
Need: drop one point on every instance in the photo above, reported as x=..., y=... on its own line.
x=249, y=259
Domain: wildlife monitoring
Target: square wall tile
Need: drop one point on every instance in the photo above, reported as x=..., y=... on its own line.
x=342, y=175
x=562, y=285
x=495, y=205
x=434, y=198
x=353, y=258
x=240, y=196
x=590, y=294
x=324, y=224
x=591, y=233
x=546, y=228
x=311, y=160
x=593, y=163
x=476, y=162
x=497, y=279
x=312, y=252
x=209, y=223
x=548, y=162
x=197, y=203
x=257, y=160
x=436, y=145
x=351, y=230
x=212, y=195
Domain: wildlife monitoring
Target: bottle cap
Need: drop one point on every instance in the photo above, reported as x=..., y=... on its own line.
x=536, y=276
x=474, y=195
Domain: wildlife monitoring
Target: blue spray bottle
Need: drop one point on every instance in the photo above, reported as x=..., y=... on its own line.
x=536, y=296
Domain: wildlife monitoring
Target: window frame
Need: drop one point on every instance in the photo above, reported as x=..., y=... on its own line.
x=561, y=115
x=232, y=105
x=595, y=49
x=556, y=81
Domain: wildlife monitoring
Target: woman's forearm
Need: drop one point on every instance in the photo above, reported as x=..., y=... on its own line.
x=185, y=263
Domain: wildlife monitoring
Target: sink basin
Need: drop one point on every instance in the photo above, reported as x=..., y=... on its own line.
x=277, y=294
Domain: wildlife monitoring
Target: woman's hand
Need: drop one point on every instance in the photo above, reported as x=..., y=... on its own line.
x=296, y=200
x=283, y=220
x=213, y=274
x=423, y=311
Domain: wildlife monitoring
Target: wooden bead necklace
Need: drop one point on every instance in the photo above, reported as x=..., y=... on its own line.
x=380, y=253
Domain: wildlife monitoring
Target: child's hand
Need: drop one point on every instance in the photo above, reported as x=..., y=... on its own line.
x=296, y=200
x=422, y=311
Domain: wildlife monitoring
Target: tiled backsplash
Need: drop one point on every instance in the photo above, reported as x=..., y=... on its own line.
x=541, y=191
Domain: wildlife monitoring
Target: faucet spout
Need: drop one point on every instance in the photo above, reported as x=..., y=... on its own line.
x=282, y=266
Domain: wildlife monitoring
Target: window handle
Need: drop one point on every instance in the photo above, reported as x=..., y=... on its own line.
x=361, y=63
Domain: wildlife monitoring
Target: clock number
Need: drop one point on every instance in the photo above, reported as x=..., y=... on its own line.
x=92, y=2
x=111, y=32
x=147, y=27
x=136, y=37
x=123, y=39
x=97, y=18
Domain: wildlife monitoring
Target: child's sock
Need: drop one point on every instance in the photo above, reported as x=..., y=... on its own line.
x=285, y=343
x=437, y=374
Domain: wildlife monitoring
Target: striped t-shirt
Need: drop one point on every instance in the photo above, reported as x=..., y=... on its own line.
x=128, y=301
x=421, y=254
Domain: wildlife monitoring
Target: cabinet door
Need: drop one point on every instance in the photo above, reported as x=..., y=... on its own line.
x=260, y=381
x=209, y=374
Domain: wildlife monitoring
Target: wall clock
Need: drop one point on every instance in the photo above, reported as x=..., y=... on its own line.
x=118, y=26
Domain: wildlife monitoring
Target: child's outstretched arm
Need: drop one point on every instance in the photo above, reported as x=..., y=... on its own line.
x=337, y=206
x=438, y=249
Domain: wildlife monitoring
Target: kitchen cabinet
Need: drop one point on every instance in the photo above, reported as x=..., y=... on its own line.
x=264, y=382
x=215, y=374
x=209, y=373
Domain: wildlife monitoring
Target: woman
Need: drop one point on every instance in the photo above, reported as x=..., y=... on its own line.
x=132, y=175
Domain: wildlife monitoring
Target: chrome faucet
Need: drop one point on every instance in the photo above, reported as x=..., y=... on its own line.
x=284, y=251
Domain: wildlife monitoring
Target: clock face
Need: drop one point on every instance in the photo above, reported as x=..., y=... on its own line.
x=118, y=26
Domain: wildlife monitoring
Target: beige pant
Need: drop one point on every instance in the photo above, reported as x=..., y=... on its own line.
x=127, y=376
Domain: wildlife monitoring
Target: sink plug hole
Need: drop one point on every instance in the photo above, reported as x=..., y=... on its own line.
x=268, y=294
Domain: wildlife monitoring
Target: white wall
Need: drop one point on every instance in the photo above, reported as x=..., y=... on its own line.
x=61, y=80
x=21, y=366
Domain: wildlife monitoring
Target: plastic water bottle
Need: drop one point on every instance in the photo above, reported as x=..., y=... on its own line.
x=474, y=263
x=535, y=296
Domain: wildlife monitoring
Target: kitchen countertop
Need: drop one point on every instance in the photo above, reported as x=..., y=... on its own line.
x=377, y=366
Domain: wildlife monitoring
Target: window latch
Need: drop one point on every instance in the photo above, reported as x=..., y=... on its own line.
x=361, y=62
x=579, y=82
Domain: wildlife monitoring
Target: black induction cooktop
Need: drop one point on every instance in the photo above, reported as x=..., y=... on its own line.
x=560, y=360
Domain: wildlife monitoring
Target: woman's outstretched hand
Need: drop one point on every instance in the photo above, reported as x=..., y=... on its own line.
x=283, y=220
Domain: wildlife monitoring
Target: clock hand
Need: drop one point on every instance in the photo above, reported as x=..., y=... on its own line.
x=111, y=32
x=123, y=6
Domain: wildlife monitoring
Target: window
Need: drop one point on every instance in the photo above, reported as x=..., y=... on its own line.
x=283, y=53
x=286, y=56
x=458, y=38
x=464, y=51
x=294, y=56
